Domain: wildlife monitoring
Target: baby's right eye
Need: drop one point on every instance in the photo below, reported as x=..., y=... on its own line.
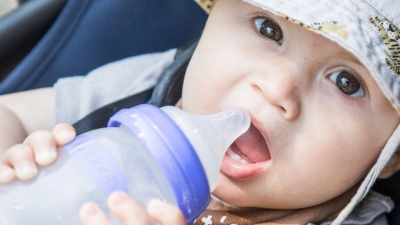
x=269, y=28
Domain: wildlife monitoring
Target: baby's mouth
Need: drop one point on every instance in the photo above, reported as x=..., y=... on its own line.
x=251, y=146
x=247, y=155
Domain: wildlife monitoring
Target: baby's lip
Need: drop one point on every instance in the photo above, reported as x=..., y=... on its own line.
x=249, y=154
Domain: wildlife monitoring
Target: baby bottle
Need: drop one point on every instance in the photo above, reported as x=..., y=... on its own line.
x=145, y=151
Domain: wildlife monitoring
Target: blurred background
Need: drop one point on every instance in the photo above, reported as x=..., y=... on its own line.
x=44, y=40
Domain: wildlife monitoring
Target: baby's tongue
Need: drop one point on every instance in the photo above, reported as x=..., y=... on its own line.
x=252, y=144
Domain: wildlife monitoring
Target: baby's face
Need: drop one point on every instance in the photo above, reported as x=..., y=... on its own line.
x=319, y=120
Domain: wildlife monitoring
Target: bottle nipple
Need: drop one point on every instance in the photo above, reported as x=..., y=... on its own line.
x=211, y=135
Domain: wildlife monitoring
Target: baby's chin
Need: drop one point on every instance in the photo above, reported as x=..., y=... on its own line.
x=230, y=194
x=217, y=203
x=240, y=197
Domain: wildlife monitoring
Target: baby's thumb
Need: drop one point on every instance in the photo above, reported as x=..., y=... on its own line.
x=63, y=133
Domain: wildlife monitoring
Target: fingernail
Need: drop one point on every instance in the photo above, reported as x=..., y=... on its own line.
x=45, y=156
x=155, y=203
x=26, y=171
x=90, y=209
x=6, y=174
x=65, y=136
x=118, y=198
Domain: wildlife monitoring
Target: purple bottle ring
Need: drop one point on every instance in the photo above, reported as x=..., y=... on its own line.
x=173, y=153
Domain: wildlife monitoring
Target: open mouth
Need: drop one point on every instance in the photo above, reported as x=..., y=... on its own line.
x=250, y=147
x=247, y=155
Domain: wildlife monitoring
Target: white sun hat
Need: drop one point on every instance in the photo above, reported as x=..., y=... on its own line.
x=367, y=28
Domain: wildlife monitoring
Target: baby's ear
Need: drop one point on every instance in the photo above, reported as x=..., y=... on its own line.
x=392, y=166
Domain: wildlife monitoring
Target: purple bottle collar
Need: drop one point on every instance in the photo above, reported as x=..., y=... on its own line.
x=174, y=155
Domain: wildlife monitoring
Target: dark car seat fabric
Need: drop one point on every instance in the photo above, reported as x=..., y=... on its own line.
x=21, y=29
x=391, y=187
x=91, y=33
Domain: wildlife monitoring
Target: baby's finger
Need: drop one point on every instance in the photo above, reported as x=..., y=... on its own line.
x=7, y=174
x=165, y=213
x=90, y=214
x=127, y=210
x=43, y=145
x=63, y=133
x=20, y=158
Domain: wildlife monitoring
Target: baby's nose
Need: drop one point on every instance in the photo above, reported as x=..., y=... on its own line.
x=282, y=90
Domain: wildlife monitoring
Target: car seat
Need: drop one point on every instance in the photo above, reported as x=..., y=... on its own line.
x=22, y=29
x=391, y=187
x=89, y=33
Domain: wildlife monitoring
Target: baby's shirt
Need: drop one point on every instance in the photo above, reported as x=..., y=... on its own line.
x=370, y=212
x=77, y=96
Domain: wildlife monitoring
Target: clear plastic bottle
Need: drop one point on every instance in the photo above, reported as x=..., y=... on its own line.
x=145, y=151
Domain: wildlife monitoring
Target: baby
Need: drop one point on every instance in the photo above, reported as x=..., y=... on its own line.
x=320, y=82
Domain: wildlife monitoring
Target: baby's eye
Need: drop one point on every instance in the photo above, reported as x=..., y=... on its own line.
x=269, y=29
x=348, y=83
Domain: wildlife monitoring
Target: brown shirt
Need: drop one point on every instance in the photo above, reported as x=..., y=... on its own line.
x=218, y=213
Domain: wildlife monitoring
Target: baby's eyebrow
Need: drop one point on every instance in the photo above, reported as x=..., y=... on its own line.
x=343, y=54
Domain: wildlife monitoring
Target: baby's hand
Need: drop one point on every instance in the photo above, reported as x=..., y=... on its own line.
x=20, y=160
x=129, y=212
